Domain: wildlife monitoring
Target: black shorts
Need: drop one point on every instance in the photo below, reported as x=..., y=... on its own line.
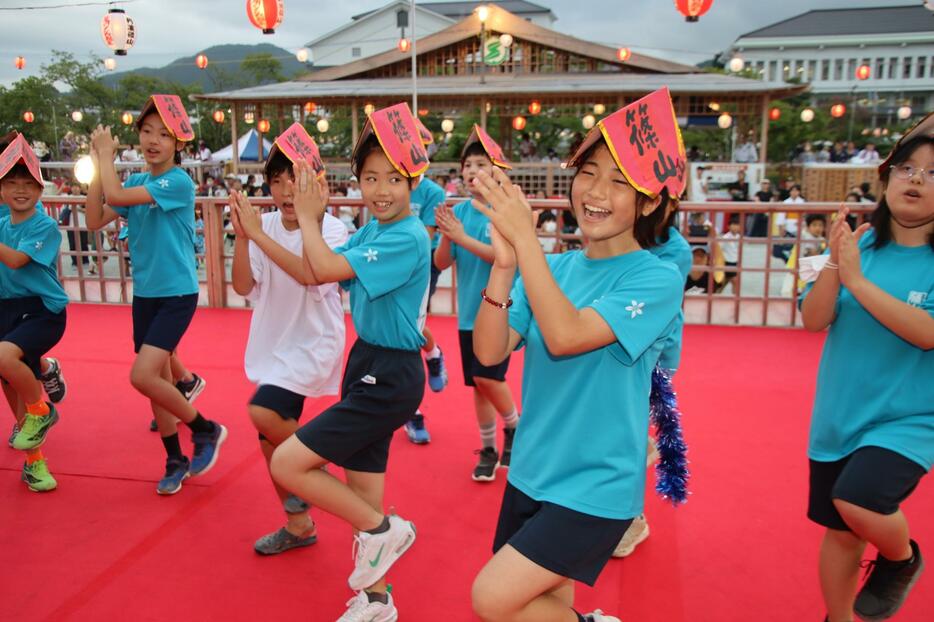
x=873, y=478
x=283, y=402
x=472, y=367
x=381, y=390
x=564, y=541
x=162, y=322
x=27, y=324
x=435, y=273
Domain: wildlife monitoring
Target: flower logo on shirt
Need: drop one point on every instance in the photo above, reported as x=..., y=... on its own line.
x=916, y=299
x=39, y=245
x=635, y=308
x=163, y=183
x=371, y=255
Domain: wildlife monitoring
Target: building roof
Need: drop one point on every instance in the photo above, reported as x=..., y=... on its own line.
x=503, y=84
x=456, y=10
x=863, y=21
x=372, y=14
x=501, y=20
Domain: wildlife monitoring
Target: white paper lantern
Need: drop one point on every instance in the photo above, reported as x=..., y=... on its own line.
x=77, y=116
x=736, y=64
x=302, y=55
x=807, y=115
x=724, y=121
x=904, y=112
x=118, y=31
x=588, y=121
x=505, y=40
x=447, y=126
x=323, y=125
x=110, y=63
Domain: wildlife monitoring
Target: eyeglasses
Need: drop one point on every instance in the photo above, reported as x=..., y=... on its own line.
x=907, y=171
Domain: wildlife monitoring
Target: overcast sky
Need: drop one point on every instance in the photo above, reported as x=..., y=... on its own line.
x=168, y=29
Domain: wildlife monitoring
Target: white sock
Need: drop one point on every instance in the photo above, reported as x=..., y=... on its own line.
x=512, y=419
x=435, y=353
x=488, y=435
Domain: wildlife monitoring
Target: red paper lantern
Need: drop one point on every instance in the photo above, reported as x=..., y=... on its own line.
x=775, y=114
x=29, y=117
x=535, y=107
x=863, y=72
x=201, y=61
x=310, y=107
x=837, y=111
x=265, y=14
x=693, y=9
x=423, y=112
x=404, y=45
x=623, y=54
x=518, y=123
x=219, y=116
x=127, y=118
x=20, y=62
x=263, y=126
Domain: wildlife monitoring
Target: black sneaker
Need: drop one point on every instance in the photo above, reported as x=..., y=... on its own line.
x=192, y=389
x=53, y=382
x=888, y=585
x=508, y=435
x=485, y=471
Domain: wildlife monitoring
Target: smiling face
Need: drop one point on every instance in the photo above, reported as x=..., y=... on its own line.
x=604, y=202
x=911, y=200
x=20, y=191
x=385, y=190
x=156, y=142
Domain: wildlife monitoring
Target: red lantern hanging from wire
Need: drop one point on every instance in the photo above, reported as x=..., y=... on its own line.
x=518, y=123
x=863, y=72
x=201, y=60
x=28, y=116
x=263, y=126
x=693, y=9
x=219, y=116
x=127, y=118
x=310, y=107
x=265, y=14
x=404, y=45
x=118, y=31
x=775, y=114
x=623, y=54
x=837, y=111
x=535, y=107
x=20, y=62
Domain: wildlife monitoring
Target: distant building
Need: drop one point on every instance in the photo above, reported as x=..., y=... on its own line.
x=824, y=48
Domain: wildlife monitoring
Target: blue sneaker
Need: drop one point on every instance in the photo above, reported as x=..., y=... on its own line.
x=437, y=374
x=207, y=449
x=176, y=471
x=415, y=428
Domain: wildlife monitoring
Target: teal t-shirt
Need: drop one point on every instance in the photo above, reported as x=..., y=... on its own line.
x=424, y=200
x=5, y=209
x=581, y=441
x=676, y=251
x=38, y=237
x=389, y=291
x=473, y=273
x=162, y=235
x=873, y=387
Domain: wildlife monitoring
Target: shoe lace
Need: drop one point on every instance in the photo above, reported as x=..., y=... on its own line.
x=356, y=553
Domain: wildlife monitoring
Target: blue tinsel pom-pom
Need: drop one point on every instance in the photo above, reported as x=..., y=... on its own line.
x=671, y=472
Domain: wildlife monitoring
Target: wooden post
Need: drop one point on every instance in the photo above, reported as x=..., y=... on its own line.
x=354, y=122
x=764, y=131
x=214, y=253
x=234, y=137
x=259, y=135
x=483, y=102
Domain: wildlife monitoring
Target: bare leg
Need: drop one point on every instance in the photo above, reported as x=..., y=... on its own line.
x=840, y=554
x=888, y=533
x=151, y=375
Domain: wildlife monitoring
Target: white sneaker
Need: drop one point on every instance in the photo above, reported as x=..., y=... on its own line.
x=599, y=616
x=360, y=609
x=638, y=531
x=376, y=553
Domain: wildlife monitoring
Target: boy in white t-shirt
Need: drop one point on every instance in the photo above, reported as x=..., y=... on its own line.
x=296, y=340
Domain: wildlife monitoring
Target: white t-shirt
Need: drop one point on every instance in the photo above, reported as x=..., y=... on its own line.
x=730, y=247
x=789, y=222
x=297, y=332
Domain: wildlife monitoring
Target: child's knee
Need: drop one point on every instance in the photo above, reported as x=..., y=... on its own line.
x=487, y=605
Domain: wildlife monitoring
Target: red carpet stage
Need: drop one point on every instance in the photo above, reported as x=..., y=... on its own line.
x=105, y=547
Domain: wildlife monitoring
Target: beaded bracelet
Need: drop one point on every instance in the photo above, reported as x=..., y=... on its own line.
x=495, y=303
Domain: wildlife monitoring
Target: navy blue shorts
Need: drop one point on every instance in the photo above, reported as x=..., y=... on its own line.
x=31, y=327
x=472, y=367
x=873, y=478
x=381, y=390
x=287, y=404
x=162, y=322
x=564, y=541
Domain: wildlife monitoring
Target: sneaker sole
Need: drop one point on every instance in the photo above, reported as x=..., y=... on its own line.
x=886, y=616
x=167, y=493
x=217, y=452
x=399, y=552
x=297, y=545
x=485, y=478
x=632, y=547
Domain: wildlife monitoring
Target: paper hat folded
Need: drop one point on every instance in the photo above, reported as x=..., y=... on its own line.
x=172, y=113
x=296, y=144
x=924, y=127
x=427, y=137
x=493, y=150
x=646, y=144
x=20, y=151
x=397, y=132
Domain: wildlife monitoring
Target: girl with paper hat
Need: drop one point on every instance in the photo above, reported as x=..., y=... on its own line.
x=385, y=268
x=593, y=323
x=467, y=246
x=159, y=206
x=872, y=426
x=32, y=306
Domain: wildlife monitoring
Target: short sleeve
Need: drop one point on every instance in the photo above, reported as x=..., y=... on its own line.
x=383, y=263
x=41, y=242
x=257, y=270
x=172, y=191
x=520, y=313
x=334, y=232
x=434, y=199
x=641, y=308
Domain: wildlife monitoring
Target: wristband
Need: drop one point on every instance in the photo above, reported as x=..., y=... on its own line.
x=497, y=304
x=831, y=265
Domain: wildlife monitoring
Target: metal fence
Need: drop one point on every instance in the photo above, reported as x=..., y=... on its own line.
x=761, y=289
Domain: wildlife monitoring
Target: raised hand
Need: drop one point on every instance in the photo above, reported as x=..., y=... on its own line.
x=103, y=143
x=309, y=193
x=245, y=218
x=848, y=257
x=505, y=205
x=449, y=225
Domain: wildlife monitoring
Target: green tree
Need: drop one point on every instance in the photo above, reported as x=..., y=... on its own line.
x=262, y=68
x=36, y=95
